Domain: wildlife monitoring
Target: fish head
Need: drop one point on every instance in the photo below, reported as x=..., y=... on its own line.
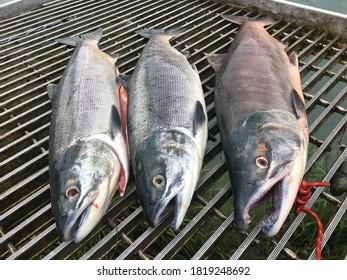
x=266, y=157
x=166, y=173
x=83, y=181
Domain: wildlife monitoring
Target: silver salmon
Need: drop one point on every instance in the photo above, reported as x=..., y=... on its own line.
x=262, y=121
x=88, y=154
x=167, y=128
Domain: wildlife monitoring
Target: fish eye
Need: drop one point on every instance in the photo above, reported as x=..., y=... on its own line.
x=158, y=181
x=261, y=162
x=72, y=192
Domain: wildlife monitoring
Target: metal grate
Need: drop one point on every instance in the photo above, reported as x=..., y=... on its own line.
x=30, y=60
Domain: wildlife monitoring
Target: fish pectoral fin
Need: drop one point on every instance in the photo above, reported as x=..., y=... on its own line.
x=293, y=58
x=215, y=60
x=298, y=104
x=51, y=90
x=122, y=181
x=199, y=117
x=123, y=104
x=116, y=126
x=123, y=88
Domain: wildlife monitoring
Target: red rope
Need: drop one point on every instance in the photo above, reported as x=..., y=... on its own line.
x=302, y=198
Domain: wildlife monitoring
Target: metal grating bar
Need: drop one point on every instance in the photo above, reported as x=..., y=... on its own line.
x=322, y=70
x=30, y=60
x=112, y=236
x=327, y=86
x=214, y=239
x=247, y=242
x=328, y=110
x=193, y=225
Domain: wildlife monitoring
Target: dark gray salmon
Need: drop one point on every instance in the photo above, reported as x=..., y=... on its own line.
x=262, y=121
x=88, y=155
x=167, y=128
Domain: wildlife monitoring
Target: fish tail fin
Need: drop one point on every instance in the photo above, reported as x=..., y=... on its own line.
x=73, y=41
x=148, y=33
x=265, y=21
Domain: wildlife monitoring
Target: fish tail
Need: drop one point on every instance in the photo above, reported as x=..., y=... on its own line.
x=73, y=41
x=242, y=19
x=148, y=33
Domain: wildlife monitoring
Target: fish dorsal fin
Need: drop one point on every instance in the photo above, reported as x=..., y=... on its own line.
x=215, y=60
x=298, y=104
x=51, y=90
x=293, y=58
x=199, y=117
x=264, y=21
x=116, y=125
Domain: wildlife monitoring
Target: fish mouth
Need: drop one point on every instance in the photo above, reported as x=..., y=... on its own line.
x=74, y=222
x=162, y=208
x=283, y=190
x=82, y=222
x=276, y=191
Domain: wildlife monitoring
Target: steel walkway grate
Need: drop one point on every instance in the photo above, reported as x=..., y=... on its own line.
x=30, y=60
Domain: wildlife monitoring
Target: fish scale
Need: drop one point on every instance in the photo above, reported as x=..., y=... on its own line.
x=165, y=68
x=88, y=117
x=253, y=86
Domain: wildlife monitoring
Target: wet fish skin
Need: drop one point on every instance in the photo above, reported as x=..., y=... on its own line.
x=261, y=116
x=88, y=158
x=167, y=127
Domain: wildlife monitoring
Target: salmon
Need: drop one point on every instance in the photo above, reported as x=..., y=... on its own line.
x=88, y=153
x=167, y=127
x=261, y=116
